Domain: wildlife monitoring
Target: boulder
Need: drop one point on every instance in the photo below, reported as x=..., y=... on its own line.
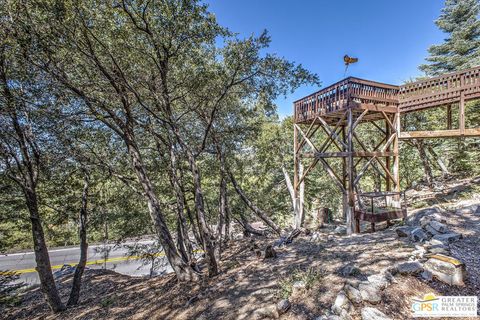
x=426, y=219
x=427, y=275
x=430, y=230
x=283, y=306
x=369, y=313
x=353, y=294
x=269, y=312
x=369, y=292
x=404, y=231
x=437, y=226
x=446, y=269
x=414, y=219
x=349, y=270
x=413, y=267
x=418, y=235
x=448, y=238
x=340, y=230
x=380, y=280
x=341, y=303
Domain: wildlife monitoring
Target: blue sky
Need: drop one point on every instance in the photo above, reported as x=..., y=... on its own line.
x=390, y=38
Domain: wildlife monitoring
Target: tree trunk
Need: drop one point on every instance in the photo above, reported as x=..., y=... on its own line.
x=262, y=215
x=206, y=233
x=183, y=242
x=248, y=228
x=30, y=162
x=181, y=268
x=42, y=259
x=77, y=277
x=222, y=207
x=441, y=164
x=427, y=169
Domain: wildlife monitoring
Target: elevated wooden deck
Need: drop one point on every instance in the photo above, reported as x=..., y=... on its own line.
x=443, y=90
x=358, y=94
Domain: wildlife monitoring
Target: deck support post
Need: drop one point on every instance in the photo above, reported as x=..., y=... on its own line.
x=350, y=211
x=396, y=157
x=298, y=186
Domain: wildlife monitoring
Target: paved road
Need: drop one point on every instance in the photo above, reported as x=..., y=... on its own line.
x=117, y=259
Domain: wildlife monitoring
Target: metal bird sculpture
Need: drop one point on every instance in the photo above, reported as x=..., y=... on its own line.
x=348, y=60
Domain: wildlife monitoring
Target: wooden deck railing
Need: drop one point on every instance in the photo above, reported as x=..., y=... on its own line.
x=442, y=90
x=348, y=92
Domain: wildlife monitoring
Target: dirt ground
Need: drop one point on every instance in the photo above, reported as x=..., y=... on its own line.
x=248, y=283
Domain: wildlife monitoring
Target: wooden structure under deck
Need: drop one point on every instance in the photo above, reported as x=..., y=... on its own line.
x=340, y=109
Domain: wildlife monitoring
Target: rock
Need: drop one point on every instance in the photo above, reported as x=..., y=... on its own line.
x=467, y=210
x=427, y=275
x=283, y=306
x=341, y=303
x=413, y=267
x=380, y=280
x=297, y=287
x=329, y=317
x=315, y=237
x=340, y=230
x=353, y=294
x=266, y=312
x=369, y=313
x=418, y=235
x=419, y=252
x=370, y=292
x=423, y=221
x=430, y=230
x=354, y=282
x=414, y=219
x=446, y=269
x=434, y=242
x=349, y=270
x=437, y=226
x=437, y=249
x=65, y=270
x=345, y=315
x=270, y=252
x=404, y=231
x=448, y=238
x=477, y=212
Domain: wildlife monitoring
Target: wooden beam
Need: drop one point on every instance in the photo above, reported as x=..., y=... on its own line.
x=461, y=114
x=333, y=134
x=305, y=138
x=355, y=154
x=308, y=134
x=360, y=118
x=440, y=134
x=329, y=140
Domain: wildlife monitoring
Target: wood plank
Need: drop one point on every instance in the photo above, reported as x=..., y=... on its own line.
x=355, y=154
x=439, y=134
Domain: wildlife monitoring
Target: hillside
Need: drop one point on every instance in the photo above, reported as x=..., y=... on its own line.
x=313, y=273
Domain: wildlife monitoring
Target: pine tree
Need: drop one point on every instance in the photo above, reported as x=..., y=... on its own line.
x=461, y=48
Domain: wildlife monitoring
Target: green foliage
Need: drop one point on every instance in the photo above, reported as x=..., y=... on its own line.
x=461, y=49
